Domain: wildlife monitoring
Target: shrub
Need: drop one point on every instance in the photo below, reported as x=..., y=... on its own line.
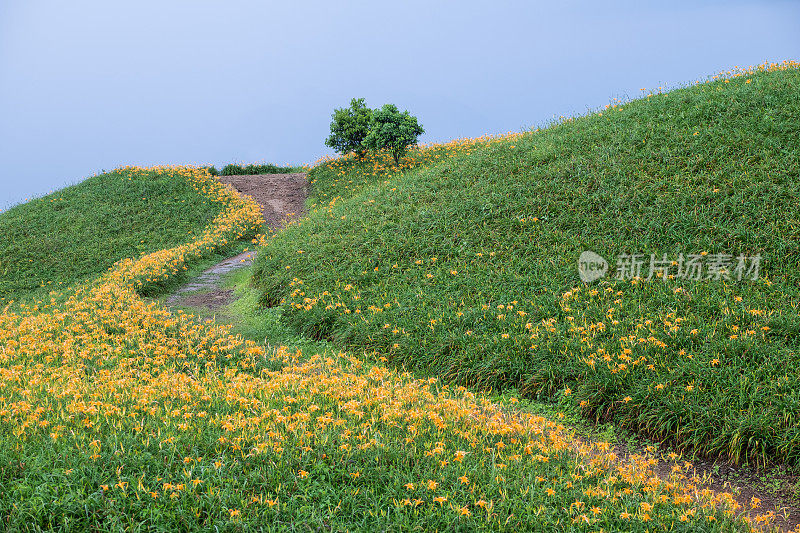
x=232, y=170
x=238, y=170
x=350, y=127
x=392, y=130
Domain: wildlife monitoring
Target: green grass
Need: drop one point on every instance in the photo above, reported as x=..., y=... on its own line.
x=706, y=366
x=263, y=326
x=74, y=234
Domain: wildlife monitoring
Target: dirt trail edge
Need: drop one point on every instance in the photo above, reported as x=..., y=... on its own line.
x=282, y=198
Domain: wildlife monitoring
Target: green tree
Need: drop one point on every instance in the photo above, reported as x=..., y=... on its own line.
x=392, y=130
x=350, y=127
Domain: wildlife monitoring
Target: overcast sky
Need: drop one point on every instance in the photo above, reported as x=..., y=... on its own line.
x=91, y=85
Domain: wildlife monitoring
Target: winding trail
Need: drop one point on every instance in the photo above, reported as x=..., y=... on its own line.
x=282, y=199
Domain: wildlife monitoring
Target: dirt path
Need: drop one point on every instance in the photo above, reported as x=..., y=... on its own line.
x=282, y=198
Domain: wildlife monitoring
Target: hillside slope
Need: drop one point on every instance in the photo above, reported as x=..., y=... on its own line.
x=78, y=232
x=467, y=266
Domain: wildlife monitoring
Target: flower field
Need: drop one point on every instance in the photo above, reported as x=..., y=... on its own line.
x=117, y=414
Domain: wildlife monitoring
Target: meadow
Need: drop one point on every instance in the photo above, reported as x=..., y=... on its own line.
x=77, y=233
x=117, y=413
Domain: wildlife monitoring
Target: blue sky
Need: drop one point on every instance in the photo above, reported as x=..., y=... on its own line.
x=91, y=85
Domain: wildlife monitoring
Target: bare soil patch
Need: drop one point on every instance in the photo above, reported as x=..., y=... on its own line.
x=213, y=299
x=282, y=197
x=774, y=487
x=770, y=488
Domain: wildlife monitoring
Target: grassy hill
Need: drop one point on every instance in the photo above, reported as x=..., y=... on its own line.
x=463, y=263
x=78, y=232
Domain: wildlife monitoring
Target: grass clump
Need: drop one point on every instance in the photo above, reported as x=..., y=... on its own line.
x=464, y=262
x=76, y=233
x=268, y=168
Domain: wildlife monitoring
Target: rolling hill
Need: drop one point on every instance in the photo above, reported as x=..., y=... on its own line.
x=462, y=263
